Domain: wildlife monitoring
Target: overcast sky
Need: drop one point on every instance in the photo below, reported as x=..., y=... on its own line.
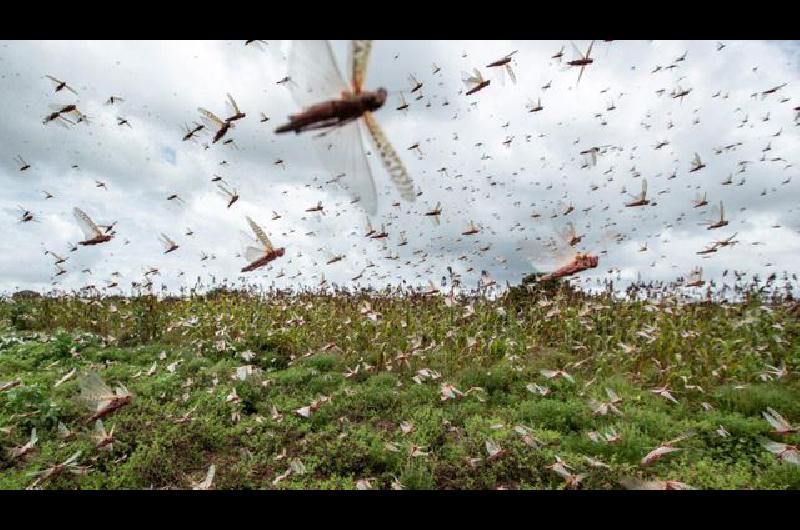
x=500, y=187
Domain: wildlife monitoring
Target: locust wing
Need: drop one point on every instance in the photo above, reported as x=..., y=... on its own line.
x=211, y=120
x=72, y=460
x=783, y=451
x=100, y=429
x=341, y=150
x=252, y=254
x=252, y=249
x=359, y=58
x=262, y=236
x=56, y=107
x=589, y=51
x=233, y=108
x=472, y=80
x=696, y=275
x=95, y=394
x=638, y=484
x=577, y=55
x=314, y=74
x=506, y=69
x=205, y=484
x=718, y=214
x=777, y=421
x=391, y=161
x=511, y=74
x=591, y=156
x=89, y=229
x=773, y=447
x=63, y=431
x=166, y=241
x=225, y=192
x=568, y=233
x=548, y=254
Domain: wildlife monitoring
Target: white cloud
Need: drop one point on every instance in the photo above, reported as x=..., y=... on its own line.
x=163, y=83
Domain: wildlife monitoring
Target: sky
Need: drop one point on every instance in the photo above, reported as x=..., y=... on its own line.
x=515, y=192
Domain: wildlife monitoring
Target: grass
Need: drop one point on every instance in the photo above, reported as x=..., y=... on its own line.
x=306, y=347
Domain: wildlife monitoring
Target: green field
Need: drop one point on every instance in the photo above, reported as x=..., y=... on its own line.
x=404, y=393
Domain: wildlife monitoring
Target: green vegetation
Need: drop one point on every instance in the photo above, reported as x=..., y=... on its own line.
x=371, y=376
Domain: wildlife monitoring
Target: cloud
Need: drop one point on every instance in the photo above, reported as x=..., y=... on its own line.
x=499, y=187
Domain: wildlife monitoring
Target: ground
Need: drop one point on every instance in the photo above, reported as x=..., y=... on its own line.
x=375, y=374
